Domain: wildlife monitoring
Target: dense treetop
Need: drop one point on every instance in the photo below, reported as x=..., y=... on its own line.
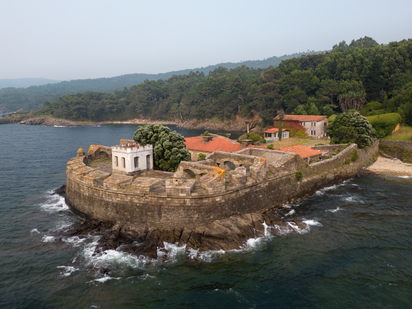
x=363, y=75
x=169, y=147
x=351, y=127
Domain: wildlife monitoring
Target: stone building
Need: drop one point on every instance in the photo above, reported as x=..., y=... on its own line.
x=129, y=157
x=315, y=126
x=273, y=134
x=209, y=144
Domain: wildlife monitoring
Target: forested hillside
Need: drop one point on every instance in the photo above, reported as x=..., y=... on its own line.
x=345, y=78
x=13, y=99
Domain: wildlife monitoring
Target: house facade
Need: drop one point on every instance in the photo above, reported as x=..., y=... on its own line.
x=273, y=134
x=315, y=126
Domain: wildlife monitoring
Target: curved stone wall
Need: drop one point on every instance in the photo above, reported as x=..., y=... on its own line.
x=124, y=199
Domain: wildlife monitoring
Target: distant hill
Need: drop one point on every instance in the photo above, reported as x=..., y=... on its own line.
x=25, y=82
x=30, y=98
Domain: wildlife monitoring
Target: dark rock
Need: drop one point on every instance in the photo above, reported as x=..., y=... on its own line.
x=60, y=191
x=148, y=248
x=226, y=234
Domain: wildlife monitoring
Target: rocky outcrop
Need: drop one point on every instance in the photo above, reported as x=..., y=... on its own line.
x=50, y=121
x=227, y=234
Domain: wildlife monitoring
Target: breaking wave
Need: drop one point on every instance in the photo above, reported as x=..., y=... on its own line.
x=334, y=210
x=48, y=238
x=67, y=270
x=55, y=203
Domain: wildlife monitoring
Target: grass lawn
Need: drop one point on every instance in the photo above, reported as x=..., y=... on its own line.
x=298, y=141
x=403, y=134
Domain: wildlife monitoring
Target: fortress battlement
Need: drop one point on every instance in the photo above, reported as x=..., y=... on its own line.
x=223, y=185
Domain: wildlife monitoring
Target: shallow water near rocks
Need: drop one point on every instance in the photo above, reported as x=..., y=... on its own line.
x=355, y=251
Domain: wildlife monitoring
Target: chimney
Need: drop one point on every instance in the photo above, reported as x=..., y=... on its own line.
x=245, y=143
x=207, y=139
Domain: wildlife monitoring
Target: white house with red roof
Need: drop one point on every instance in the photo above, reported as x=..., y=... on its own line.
x=273, y=134
x=315, y=126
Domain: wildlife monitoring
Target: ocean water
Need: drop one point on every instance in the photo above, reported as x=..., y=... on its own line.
x=355, y=252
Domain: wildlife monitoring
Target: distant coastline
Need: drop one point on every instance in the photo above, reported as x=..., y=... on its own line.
x=206, y=124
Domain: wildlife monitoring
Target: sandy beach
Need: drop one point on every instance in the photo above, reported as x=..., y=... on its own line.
x=393, y=167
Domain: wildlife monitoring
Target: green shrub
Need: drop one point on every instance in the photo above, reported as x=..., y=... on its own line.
x=370, y=107
x=332, y=118
x=270, y=146
x=223, y=134
x=168, y=146
x=256, y=138
x=201, y=157
x=385, y=122
x=351, y=127
x=355, y=155
x=299, y=175
x=347, y=161
x=206, y=133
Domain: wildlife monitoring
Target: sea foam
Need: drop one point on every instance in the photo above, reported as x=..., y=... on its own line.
x=67, y=270
x=55, y=203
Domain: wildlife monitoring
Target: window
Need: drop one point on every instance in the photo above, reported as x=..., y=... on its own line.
x=116, y=161
x=314, y=132
x=311, y=132
x=124, y=162
x=284, y=135
x=136, y=162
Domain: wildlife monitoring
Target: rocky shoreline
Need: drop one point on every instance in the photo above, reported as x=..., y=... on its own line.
x=208, y=124
x=231, y=233
x=50, y=121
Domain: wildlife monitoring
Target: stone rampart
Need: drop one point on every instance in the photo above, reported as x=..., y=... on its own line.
x=184, y=202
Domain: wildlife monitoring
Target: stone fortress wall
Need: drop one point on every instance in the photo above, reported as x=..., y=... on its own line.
x=223, y=185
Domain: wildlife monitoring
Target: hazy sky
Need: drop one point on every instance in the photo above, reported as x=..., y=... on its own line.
x=96, y=38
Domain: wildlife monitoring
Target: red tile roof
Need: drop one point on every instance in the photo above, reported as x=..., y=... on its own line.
x=218, y=143
x=302, y=118
x=274, y=130
x=304, y=152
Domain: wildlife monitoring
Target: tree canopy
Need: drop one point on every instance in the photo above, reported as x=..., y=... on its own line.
x=351, y=127
x=348, y=77
x=168, y=146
